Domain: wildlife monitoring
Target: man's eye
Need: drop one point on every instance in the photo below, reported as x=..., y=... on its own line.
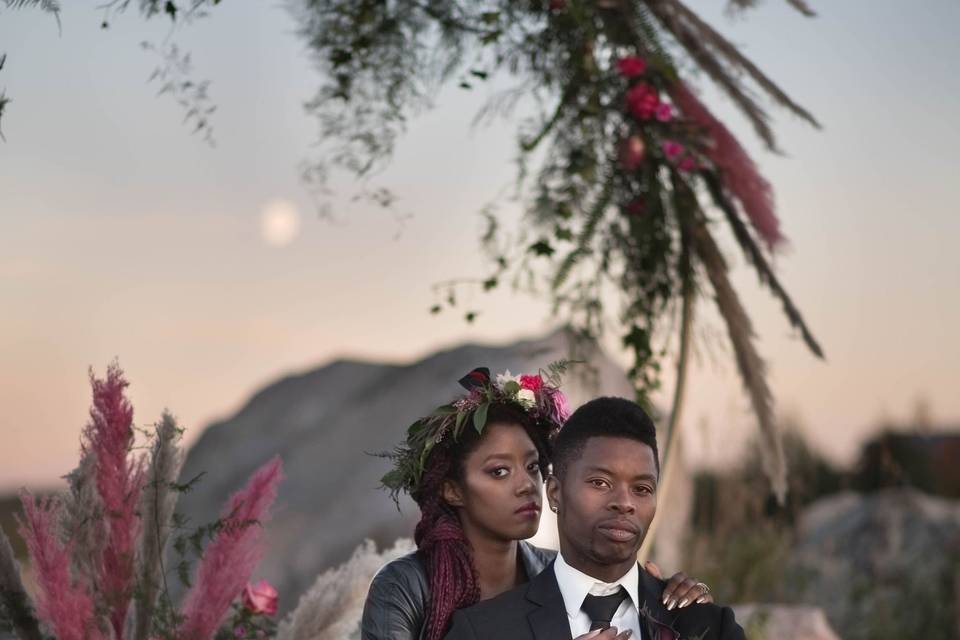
x=644, y=491
x=598, y=483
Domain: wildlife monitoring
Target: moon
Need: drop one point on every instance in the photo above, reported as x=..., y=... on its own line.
x=279, y=223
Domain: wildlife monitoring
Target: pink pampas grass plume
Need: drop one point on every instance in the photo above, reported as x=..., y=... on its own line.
x=62, y=604
x=737, y=170
x=233, y=554
x=109, y=436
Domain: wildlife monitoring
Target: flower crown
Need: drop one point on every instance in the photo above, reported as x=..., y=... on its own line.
x=538, y=395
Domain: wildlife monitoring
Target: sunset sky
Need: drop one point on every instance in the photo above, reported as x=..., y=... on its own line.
x=123, y=235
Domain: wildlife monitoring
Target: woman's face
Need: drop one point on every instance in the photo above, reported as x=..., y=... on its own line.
x=499, y=495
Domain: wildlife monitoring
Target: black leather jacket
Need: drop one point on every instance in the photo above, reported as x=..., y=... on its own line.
x=396, y=604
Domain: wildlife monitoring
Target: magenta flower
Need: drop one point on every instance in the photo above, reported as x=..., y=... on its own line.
x=534, y=382
x=642, y=101
x=671, y=149
x=559, y=408
x=688, y=163
x=631, y=66
x=664, y=112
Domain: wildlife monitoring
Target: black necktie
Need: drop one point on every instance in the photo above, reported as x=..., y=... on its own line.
x=601, y=608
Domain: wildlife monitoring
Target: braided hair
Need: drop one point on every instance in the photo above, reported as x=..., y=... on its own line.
x=440, y=538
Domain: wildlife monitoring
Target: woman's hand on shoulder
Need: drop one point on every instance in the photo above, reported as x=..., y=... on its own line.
x=681, y=590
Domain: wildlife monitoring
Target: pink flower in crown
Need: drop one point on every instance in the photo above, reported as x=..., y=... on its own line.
x=642, y=101
x=664, y=112
x=631, y=66
x=559, y=409
x=534, y=383
x=671, y=149
x=260, y=598
x=689, y=163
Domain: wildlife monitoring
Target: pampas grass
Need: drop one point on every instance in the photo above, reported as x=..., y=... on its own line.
x=332, y=608
x=232, y=555
x=157, y=508
x=82, y=521
x=63, y=604
x=751, y=367
x=109, y=436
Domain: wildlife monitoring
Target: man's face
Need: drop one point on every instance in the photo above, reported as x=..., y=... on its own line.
x=606, y=501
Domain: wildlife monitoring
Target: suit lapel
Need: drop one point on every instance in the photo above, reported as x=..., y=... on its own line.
x=653, y=614
x=548, y=620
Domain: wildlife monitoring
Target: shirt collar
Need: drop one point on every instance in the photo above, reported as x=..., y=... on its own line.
x=575, y=585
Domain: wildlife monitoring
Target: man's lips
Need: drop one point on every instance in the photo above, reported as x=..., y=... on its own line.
x=620, y=531
x=530, y=507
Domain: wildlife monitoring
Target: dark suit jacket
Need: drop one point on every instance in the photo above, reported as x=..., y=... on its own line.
x=535, y=611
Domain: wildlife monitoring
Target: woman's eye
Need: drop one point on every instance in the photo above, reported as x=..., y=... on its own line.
x=499, y=472
x=533, y=467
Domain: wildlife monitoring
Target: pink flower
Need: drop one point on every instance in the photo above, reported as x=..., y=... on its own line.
x=632, y=151
x=559, y=409
x=631, y=66
x=533, y=383
x=642, y=101
x=260, y=598
x=239, y=631
x=664, y=112
x=671, y=149
x=689, y=163
x=635, y=207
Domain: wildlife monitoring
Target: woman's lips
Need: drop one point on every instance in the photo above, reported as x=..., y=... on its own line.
x=529, y=510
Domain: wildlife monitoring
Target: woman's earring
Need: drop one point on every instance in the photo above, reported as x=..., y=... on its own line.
x=554, y=509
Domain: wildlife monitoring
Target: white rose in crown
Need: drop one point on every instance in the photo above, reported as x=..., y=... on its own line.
x=507, y=382
x=527, y=398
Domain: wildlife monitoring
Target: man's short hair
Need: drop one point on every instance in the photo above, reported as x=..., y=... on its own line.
x=607, y=416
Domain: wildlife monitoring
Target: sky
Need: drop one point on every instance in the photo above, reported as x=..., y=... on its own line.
x=124, y=236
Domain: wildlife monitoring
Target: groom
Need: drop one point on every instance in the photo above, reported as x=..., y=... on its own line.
x=604, y=492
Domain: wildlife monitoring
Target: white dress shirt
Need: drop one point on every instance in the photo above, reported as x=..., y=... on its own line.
x=575, y=585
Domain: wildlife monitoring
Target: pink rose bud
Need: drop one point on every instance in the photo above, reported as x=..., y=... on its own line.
x=260, y=598
x=632, y=151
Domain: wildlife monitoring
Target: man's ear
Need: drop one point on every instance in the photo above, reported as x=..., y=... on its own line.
x=553, y=492
x=452, y=493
